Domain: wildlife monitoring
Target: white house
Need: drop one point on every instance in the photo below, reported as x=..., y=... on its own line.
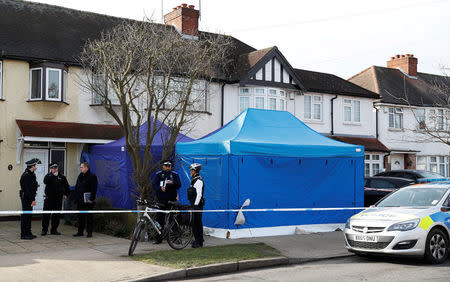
x=412, y=104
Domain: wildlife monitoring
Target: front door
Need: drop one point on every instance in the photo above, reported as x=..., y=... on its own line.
x=41, y=171
x=397, y=161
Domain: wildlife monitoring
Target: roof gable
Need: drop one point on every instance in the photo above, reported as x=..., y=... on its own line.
x=267, y=67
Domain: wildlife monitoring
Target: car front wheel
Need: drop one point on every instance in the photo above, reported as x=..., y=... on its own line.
x=436, y=248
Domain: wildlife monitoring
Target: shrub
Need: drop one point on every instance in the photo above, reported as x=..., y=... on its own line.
x=116, y=224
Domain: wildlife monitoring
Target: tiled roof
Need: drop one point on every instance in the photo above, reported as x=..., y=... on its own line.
x=73, y=130
x=35, y=31
x=330, y=83
x=395, y=87
x=370, y=144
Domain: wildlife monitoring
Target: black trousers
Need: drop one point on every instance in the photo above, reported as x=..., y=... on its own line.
x=85, y=220
x=25, y=219
x=197, y=225
x=51, y=205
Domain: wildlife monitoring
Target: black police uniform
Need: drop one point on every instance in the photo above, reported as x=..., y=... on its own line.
x=197, y=224
x=170, y=194
x=28, y=186
x=86, y=183
x=56, y=186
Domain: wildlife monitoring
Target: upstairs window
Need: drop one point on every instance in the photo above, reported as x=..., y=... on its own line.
x=101, y=86
x=396, y=118
x=54, y=80
x=48, y=82
x=352, y=110
x=313, y=107
x=420, y=116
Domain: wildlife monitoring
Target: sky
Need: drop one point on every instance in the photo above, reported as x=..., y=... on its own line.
x=338, y=37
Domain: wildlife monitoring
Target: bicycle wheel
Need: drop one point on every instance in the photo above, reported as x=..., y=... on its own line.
x=136, y=236
x=179, y=235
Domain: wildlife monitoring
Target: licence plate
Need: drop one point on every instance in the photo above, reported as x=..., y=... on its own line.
x=366, y=238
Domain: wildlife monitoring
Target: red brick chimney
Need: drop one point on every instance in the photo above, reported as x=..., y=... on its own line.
x=185, y=18
x=407, y=63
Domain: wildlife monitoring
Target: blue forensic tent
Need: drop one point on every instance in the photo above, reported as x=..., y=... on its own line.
x=276, y=161
x=112, y=165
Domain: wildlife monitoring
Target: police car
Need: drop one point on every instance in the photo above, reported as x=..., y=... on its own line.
x=413, y=221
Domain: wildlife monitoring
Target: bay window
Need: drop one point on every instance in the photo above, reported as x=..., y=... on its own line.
x=53, y=83
x=48, y=82
x=262, y=98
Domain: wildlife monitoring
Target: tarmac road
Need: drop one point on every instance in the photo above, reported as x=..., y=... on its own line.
x=347, y=269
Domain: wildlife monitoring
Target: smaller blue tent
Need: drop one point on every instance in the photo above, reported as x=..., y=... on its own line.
x=112, y=165
x=277, y=161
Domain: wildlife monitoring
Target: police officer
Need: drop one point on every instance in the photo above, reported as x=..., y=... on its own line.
x=195, y=196
x=28, y=186
x=56, y=187
x=84, y=197
x=165, y=184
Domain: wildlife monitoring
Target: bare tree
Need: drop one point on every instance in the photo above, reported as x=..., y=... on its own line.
x=159, y=79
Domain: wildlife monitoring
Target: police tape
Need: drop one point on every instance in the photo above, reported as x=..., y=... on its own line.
x=175, y=211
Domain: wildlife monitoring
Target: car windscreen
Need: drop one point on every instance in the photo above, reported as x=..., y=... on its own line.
x=429, y=174
x=413, y=197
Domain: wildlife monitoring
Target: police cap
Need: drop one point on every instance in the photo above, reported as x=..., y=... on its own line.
x=167, y=163
x=33, y=162
x=53, y=165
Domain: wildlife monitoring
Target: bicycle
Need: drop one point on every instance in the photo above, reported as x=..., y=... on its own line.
x=178, y=235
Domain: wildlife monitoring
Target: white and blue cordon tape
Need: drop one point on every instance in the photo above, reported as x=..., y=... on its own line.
x=170, y=211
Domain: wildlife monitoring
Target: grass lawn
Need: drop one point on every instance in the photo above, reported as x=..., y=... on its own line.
x=208, y=255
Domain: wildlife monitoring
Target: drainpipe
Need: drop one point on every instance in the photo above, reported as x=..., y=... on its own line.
x=385, y=159
x=376, y=120
x=223, y=106
x=332, y=114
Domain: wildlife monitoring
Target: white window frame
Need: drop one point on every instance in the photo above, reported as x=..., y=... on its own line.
x=1, y=79
x=269, y=105
x=47, y=71
x=350, y=103
x=282, y=105
x=65, y=85
x=31, y=82
x=371, y=161
x=264, y=101
x=272, y=94
x=440, y=114
x=312, y=107
x=421, y=119
x=395, y=112
x=427, y=163
x=241, y=95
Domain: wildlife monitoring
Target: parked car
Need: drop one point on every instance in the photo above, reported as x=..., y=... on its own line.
x=416, y=175
x=412, y=221
x=377, y=187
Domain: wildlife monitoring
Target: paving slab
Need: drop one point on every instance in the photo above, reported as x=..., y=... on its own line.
x=103, y=257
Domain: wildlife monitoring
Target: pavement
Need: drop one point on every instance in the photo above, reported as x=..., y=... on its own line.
x=103, y=257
